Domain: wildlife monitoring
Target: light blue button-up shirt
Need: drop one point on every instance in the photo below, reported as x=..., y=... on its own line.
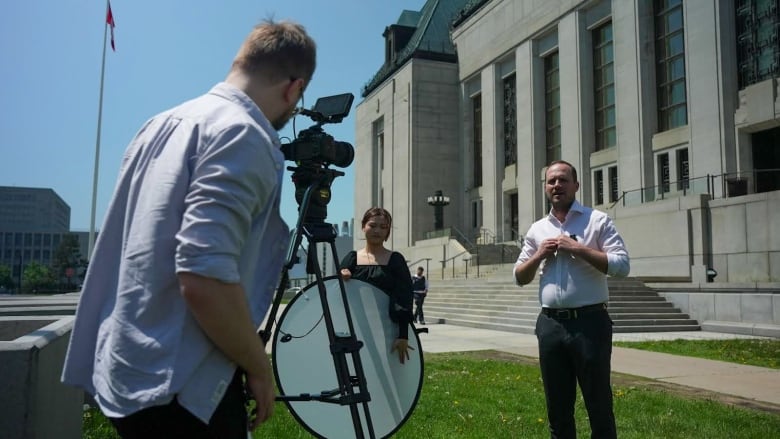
x=566, y=281
x=198, y=191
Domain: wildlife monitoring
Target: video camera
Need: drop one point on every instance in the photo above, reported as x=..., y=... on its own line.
x=314, y=150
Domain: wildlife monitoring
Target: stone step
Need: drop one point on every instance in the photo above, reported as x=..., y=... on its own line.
x=502, y=305
x=655, y=328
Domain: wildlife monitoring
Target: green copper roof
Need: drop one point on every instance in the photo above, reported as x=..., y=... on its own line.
x=431, y=39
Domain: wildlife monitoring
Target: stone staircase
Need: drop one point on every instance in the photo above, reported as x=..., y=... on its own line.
x=495, y=302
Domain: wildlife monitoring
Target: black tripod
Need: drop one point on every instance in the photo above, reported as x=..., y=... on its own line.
x=352, y=388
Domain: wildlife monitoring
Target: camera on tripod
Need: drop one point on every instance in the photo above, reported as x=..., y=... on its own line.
x=315, y=147
x=313, y=151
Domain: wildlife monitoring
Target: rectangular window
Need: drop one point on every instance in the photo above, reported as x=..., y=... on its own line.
x=474, y=215
x=379, y=143
x=604, y=87
x=598, y=187
x=514, y=207
x=663, y=172
x=758, y=33
x=510, y=120
x=613, y=184
x=683, y=173
x=670, y=64
x=476, y=113
x=552, y=99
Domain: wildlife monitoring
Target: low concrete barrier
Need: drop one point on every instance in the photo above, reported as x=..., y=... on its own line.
x=34, y=403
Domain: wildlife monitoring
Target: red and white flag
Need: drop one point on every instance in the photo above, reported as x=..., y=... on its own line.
x=110, y=22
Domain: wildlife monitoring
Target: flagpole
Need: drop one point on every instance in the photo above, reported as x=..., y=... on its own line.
x=97, y=141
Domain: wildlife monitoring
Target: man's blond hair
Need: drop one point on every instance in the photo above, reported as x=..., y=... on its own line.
x=278, y=51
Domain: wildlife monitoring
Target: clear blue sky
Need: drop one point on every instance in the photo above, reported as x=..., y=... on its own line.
x=166, y=52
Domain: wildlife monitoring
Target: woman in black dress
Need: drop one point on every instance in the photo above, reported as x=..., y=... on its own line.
x=385, y=270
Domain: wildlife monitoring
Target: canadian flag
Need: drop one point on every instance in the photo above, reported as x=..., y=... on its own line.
x=110, y=22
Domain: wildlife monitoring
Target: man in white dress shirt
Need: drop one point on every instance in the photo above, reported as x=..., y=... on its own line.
x=574, y=248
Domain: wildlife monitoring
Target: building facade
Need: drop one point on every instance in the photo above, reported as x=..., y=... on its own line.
x=669, y=110
x=33, y=223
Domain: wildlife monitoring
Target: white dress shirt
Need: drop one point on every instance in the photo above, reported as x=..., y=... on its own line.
x=198, y=191
x=567, y=281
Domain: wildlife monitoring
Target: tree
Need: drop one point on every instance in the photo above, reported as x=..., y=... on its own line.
x=37, y=278
x=67, y=255
x=6, y=278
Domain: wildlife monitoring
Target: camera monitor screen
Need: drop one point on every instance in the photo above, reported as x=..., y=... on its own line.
x=334, y=108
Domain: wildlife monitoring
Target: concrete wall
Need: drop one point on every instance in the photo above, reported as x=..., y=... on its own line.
x=34, y=403
x=746, y=238
x=740, y=309
x=681, y=237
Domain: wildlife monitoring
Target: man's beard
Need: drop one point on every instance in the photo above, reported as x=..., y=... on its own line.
x=280, y=123
x=282, y=120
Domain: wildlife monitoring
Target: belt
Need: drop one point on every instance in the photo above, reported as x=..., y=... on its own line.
x=572, y=313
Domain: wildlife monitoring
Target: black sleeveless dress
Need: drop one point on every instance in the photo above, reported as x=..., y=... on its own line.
x=394, y=279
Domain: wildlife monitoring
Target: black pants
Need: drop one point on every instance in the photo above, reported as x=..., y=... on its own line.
x=174, y=421
x=419, y=299
x=571, y=351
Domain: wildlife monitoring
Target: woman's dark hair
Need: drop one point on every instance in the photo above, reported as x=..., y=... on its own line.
x=378, y=211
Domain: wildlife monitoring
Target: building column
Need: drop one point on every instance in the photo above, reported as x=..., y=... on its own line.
x=530, y=135
x=635, y=90
x=491, y=183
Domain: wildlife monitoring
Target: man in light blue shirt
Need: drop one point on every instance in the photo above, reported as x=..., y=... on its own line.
x=190, y=253
x=574, y=248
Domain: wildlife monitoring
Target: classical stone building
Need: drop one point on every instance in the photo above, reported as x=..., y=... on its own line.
x=669, y=109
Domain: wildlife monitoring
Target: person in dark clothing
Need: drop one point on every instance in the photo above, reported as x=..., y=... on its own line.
x=386, y=270
x=420, y=289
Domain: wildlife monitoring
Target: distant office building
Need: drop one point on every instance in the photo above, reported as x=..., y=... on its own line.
x=33, y=222
x=25, y=209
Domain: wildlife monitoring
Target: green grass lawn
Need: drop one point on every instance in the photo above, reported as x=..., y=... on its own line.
x=491, y=394
x=755, y=352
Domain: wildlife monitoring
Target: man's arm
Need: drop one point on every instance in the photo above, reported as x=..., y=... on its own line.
x=222, y=311
x=525, y=272
x=596, y=258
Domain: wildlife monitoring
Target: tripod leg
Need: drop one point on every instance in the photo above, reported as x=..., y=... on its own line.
x=341, y=345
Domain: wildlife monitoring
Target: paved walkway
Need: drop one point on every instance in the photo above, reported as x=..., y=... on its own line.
x=749, y=382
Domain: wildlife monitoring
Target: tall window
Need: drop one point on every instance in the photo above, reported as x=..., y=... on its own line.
x=663, y=172
x=758, y=33
x=476, y=113
x=670, y=64
x=598, y=183
x=514, y=213
x=379, y=143
x=613, y=184
x=604, y=87
x=552, y=99
x=683, y=172
x=510, y=121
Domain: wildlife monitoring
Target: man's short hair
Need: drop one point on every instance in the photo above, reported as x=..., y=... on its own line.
x=279, y=51
x=564, y=162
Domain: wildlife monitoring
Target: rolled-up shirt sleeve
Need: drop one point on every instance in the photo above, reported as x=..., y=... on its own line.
x=612, y=244
x=233, y=176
